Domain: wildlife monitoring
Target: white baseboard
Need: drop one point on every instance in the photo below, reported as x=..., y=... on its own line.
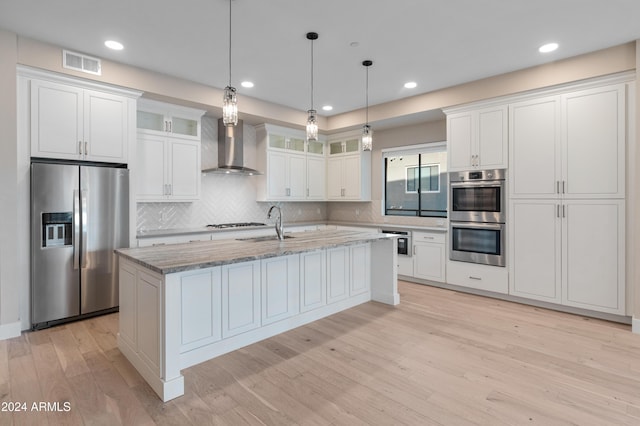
x=11, y=330
x=635, y=325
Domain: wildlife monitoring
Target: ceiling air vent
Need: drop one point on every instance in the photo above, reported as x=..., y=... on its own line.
x=80, y=62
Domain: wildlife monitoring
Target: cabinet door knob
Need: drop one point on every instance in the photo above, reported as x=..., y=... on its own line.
x=86, y=151
x=80, y=147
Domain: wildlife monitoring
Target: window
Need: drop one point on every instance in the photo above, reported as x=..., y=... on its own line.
x=416, y=181
x=429, y=178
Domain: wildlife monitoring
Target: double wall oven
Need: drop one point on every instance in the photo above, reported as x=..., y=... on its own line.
x=477, y=216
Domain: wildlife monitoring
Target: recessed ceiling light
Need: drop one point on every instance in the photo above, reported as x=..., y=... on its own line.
x=247, y=84
x=327, y=107
x=549, y=47
x=114, y=45
x=411, y=85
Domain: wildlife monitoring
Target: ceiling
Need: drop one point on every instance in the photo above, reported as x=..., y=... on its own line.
x=435, y=43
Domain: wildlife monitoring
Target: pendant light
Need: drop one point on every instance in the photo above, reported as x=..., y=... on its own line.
x=367, y=131
x=229, y=100
x=312, y=119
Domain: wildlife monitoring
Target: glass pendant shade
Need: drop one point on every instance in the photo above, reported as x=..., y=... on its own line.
x=312, y=126
x=230, y=107
x=367, y=131
x=367, y=138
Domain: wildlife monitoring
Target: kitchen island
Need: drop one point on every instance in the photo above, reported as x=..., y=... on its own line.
x=184, y=304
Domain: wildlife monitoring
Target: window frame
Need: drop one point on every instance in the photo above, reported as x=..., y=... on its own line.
x=422, y=191
x=433, y=147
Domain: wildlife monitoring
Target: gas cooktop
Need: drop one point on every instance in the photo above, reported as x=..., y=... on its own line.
x=234, y=225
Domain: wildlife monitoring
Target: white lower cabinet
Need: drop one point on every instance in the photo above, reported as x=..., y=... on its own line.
x=429, y=256
x=569, y=252
x=337, y=274
x=480, y=277
x=280, y=283
x=201, y=308
x=535, y=250
x=240, y=298
x=148, y=304
x=313, y=274
x=127, y=295
x=360, y=267
x=405, y=265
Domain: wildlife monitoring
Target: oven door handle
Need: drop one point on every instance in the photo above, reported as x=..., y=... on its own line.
x=492, y=226
x=478, y=183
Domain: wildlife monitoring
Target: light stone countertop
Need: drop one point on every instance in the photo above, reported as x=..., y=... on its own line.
x=173, y=258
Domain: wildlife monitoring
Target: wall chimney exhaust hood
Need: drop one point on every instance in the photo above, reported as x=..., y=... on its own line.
x=230, y=159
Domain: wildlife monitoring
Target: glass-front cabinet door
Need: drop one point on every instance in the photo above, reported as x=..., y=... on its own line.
x=151, y=121
x=164, y=118
x=286, y=142
x=344, y=147
x=184, y=126
x=315, y=147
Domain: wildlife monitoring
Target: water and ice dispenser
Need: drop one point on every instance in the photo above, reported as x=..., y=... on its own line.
x=57, y=229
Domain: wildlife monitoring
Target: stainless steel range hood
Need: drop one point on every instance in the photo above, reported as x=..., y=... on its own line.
x=230, y=158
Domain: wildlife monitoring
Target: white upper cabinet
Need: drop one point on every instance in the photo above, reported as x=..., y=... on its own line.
x=535, y=148
x=477, y=138
x=593, y=142
x=569, y=146
x=348, y=171
x=77, y=123
x=294, y=170
x=316, y=178
x=160, y=118
x=167, y=169
x=167, y=163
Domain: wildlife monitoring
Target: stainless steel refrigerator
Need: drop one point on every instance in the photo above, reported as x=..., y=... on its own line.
x=79, y=215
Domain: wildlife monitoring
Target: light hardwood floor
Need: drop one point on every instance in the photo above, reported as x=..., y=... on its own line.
x=440, y=357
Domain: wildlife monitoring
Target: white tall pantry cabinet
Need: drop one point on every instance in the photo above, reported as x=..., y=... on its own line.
x=567, y=190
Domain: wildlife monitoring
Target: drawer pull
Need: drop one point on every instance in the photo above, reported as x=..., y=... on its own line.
x=475, y=278
x=158, y=244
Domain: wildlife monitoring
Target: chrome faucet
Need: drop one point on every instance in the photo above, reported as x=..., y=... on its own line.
x=279, y=230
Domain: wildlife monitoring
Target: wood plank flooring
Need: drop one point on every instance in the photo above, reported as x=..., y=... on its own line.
x=439, y=358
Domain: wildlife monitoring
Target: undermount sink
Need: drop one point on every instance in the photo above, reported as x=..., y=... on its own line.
x=263, y=238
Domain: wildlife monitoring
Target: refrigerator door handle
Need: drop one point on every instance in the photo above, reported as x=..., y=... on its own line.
x=76, y=228
x=84, y=195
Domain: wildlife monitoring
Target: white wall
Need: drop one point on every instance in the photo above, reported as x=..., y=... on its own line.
x=9, y=291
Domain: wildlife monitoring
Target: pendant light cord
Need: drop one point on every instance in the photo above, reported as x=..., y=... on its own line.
x=367, y=98
x=312, y=74
x=230, y=42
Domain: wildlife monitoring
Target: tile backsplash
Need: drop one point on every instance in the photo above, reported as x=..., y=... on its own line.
x=224, y=198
